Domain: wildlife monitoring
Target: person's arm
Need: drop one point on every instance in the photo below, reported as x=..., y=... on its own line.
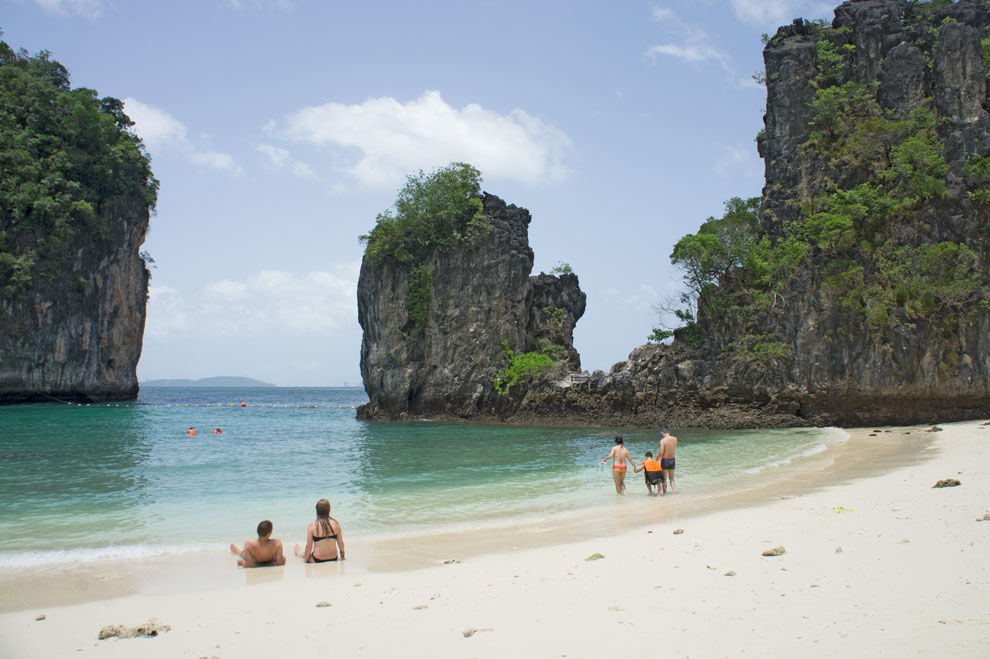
x=612, y=453
x=640, y=468
x=340, y=542
x=309, y=543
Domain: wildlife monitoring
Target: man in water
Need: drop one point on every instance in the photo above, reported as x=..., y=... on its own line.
x=618, y=456
x=263, y=552
x=668, y=447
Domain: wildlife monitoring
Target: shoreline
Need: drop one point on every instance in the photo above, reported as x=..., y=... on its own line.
x=911, y=575
x=191, y=571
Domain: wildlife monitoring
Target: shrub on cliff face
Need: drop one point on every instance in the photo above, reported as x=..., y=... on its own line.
x=69, y=159
x=524, y=365
x=438, y=211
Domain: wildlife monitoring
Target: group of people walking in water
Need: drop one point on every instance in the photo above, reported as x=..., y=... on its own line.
x=659, y=470
x=324, y=542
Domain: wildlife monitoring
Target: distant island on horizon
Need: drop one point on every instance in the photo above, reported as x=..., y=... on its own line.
x=219, y=381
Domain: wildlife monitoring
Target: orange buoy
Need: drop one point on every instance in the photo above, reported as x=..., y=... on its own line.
x=243, y=404
x=192, y=431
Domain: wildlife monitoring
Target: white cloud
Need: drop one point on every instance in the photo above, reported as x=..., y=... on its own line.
x=772, y=13
x=693, y=46
x=737, y=160
x=379, y=142
x=661, y=14
x=270, y=302
x=88, y=8
x=160, y=130
x=280, y=158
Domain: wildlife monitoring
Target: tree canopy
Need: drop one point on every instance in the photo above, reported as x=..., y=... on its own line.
x=438, y=210
x=68, y=161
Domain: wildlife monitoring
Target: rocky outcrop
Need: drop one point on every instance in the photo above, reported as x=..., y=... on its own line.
x=77, y=336
x=832, y=364
x=479, y=297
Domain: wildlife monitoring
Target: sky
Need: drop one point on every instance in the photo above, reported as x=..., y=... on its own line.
x=279, y=129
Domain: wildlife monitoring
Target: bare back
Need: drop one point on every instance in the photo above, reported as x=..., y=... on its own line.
x=668, y=447
x=619, y=456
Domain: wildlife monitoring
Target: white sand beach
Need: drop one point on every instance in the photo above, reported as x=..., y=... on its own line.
x=877, y=562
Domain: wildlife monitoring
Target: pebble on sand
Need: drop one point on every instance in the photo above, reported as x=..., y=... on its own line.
x=776, y=551
x=123, y=631
x=323, y=603
x=471, y=631
x=678, y=531
x=595, y=557
x=947, y=482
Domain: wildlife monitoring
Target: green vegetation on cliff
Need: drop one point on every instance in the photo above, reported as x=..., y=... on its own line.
x=874, y=182
x=436, y=211
x=525, y=365
x=69, y=163
x=433, y=212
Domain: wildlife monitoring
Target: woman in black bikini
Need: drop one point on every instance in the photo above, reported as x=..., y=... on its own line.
x=324, y=541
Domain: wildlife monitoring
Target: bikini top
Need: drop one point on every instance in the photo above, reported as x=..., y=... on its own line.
x=326, y=537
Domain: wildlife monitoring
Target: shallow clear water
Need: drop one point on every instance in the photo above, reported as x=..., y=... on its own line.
x=97, y=482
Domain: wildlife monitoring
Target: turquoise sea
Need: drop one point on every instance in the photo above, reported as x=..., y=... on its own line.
x=105, y=482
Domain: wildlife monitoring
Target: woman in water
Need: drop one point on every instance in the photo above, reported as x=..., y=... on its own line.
x=324, y=541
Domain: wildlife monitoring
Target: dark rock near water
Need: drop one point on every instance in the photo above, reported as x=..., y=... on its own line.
x=77, y=336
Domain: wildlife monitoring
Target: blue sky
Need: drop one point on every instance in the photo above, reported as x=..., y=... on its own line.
x=279, y=129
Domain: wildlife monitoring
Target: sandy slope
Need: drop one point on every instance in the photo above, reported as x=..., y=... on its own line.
x=911, y=578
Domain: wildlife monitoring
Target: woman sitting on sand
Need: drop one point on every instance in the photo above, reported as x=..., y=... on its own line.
x=324, y=541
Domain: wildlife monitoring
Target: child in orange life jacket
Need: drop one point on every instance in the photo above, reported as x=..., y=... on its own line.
x=653, y=474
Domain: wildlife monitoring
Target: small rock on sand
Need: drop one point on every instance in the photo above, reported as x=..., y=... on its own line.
x=934, y=429
x=947, y=482
x=730, y=573
x=838, y=550
x=41, y=616
x=420, y=607
x=776, y=551
x=323, y=603
x=123, y=631
x=985, y=518
x=594, y=557
x=678, y=531
x=450, y=561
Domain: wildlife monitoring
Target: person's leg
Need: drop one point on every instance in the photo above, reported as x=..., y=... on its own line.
x=622, y=480
x=673, y=488
x=663, y=481
x=617, y=477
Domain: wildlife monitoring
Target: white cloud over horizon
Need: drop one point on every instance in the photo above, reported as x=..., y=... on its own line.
x=160, y=130
x=379, y=142
x=269, y=302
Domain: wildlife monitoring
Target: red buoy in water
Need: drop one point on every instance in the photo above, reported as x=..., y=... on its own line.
x=243, y=404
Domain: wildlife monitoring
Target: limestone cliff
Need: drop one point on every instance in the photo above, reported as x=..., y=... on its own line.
x=853, y=344
x=871, y=301
x=76, y=192
x=479, y=296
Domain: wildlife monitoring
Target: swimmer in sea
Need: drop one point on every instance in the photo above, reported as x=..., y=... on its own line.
x=263, y=552
x=618, y=456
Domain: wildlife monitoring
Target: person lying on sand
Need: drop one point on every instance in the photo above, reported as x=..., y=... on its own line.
x=618, y=456
x=653, y=475
x=324, y=540
x=263, y=552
